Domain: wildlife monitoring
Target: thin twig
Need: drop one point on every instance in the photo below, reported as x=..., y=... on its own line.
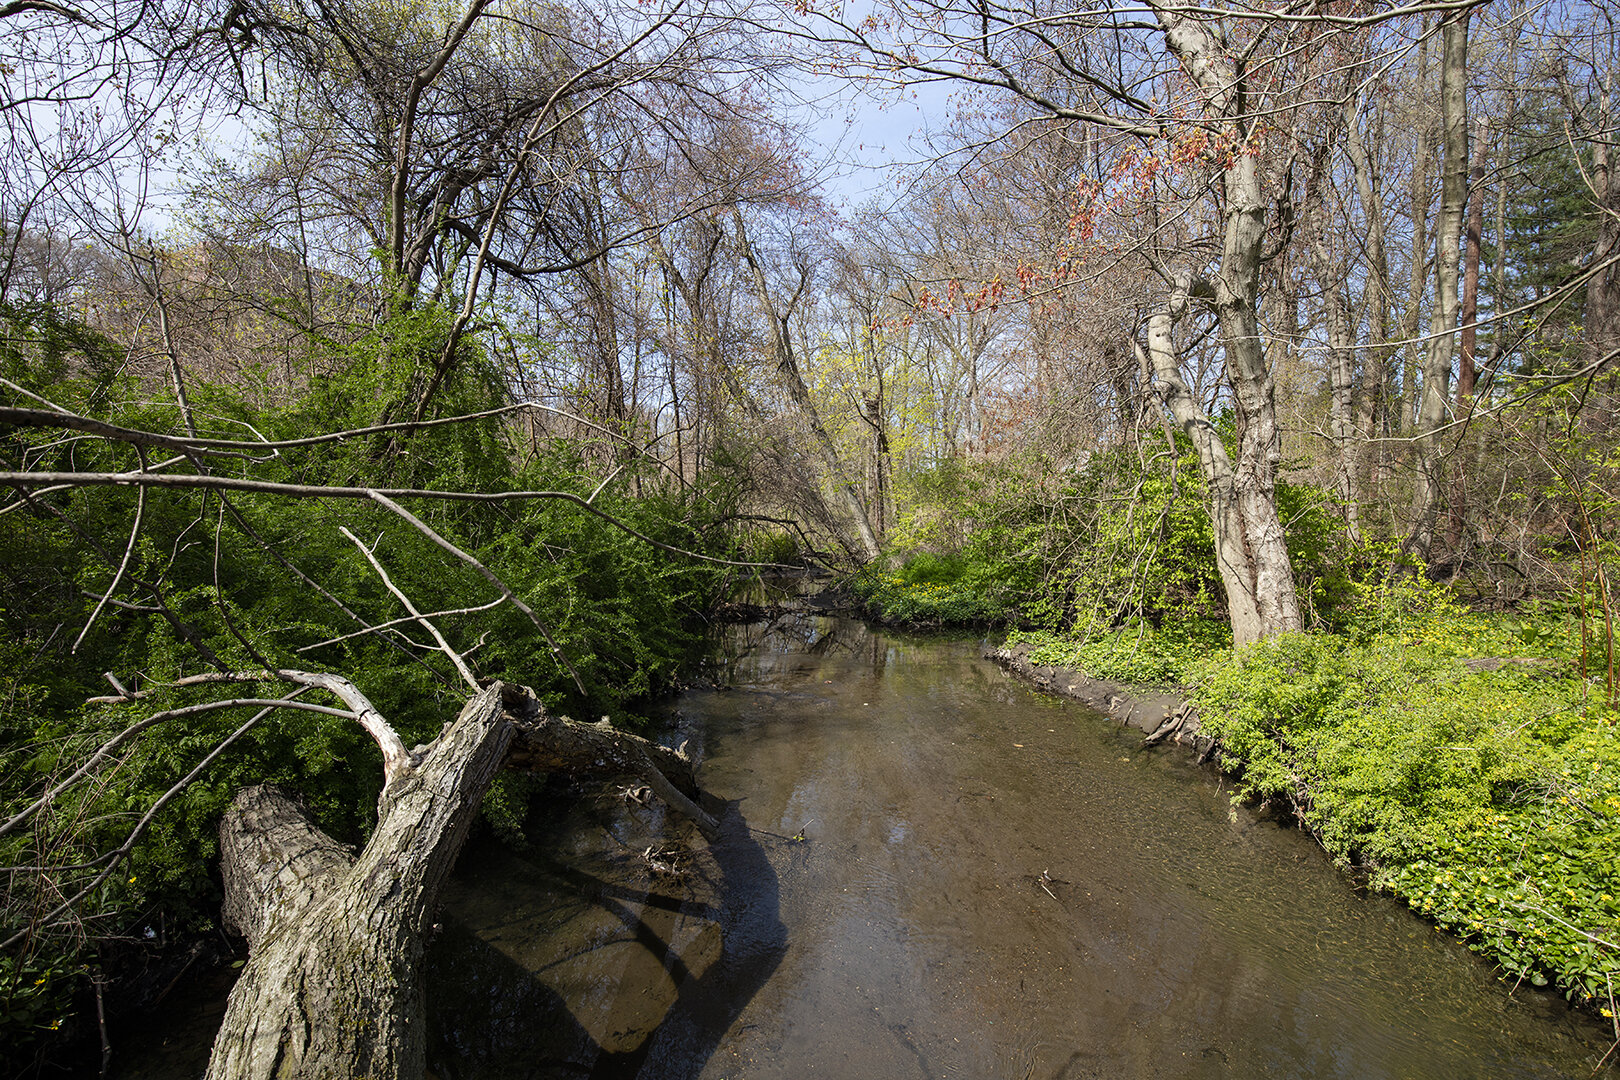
x=123, y=564
x=488, y=575
x=114, y=857
x=444, y=646
x=105, y=750
x=495, y=603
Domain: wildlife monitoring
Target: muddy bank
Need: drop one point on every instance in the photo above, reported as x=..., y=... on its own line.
x=1160, y=715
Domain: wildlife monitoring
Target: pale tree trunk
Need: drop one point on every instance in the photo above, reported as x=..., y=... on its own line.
x=1427, y=484
x=1341, y=354
x=332, y=986
x=702, y=330
x=1332, y=274
x=1250, y=546
x=864, y=547
x=1422, y=157
x=1260, y=595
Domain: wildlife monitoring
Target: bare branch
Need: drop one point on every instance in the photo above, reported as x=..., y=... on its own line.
x=444, y=646
x=117, y=855
x=32, y=481
x=123, y=564
x=106, y=749
x=488, y=575
x=495, y=603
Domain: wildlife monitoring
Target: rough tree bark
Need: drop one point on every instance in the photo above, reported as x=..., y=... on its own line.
x=332, y=986
x=1603, y=287
x=1250, y=545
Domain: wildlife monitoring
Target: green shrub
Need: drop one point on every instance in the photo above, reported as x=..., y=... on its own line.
x=624, y=613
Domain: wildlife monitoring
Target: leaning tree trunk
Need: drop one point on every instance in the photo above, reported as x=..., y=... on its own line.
x=864, y=547
x=332, y=986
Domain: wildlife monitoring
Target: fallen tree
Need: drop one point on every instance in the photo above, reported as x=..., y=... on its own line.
x=332, y=986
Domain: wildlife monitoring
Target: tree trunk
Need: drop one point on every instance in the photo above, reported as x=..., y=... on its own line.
x=1421, y=197
x=1250, y=544
x=1603, y=287
x=1341, y=405
x=1443, y=318
x=1468, y=335
x=865, y=547
x=1255, y=572
x=1371, y=406
x=332, y=986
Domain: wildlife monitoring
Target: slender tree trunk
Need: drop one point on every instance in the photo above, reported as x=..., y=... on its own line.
x=1371, y=405
x=1443, y=317
x=1603, y=288
x=1255, y=612
x=1341, y=404
x=1468, y=336
x=865, y=547
x=1422, y=158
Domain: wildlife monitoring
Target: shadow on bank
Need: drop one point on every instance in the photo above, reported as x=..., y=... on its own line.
x=577, y=960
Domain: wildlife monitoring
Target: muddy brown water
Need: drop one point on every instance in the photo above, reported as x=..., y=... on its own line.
x=928, y=870
x=931, y=871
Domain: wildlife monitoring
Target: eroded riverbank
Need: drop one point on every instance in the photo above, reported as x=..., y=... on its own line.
x=1145, y=709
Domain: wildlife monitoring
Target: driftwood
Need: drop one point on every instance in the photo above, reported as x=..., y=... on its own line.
x=332, y=985
x=1173, y=725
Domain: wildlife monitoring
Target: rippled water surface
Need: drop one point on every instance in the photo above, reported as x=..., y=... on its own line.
x=930, y=871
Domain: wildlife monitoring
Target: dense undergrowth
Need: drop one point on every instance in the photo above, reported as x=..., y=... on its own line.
x=1459, y=760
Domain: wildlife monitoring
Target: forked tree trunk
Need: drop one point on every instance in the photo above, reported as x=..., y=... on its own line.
x=332, y=986
x=1250, y=547
x=1250, y=554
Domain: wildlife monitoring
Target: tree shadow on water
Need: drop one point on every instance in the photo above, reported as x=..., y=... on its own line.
x=492, y=1016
